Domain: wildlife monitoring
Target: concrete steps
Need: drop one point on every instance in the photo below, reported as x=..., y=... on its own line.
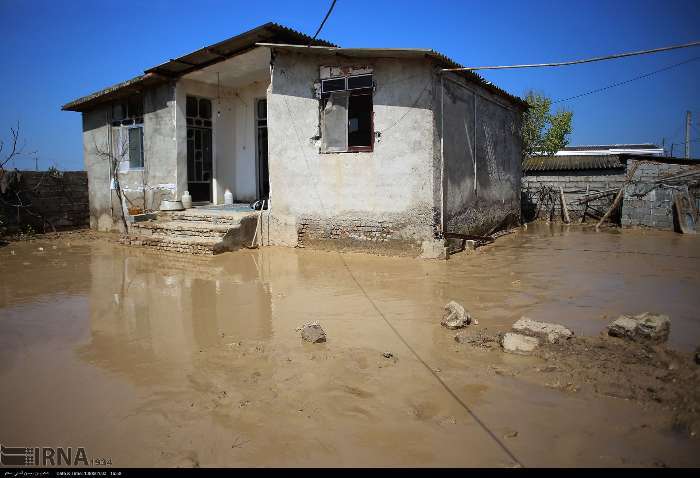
x=194, y=232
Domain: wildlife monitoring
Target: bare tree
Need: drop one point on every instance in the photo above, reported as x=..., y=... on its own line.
x=14, y=148
x=114, y=160
x=12, y=193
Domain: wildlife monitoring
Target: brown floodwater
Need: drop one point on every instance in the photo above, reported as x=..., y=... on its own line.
x=168, y=360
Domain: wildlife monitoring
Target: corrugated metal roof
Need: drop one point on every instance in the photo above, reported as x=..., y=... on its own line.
x=572, y=163
x=441, y=59
x=269, y=32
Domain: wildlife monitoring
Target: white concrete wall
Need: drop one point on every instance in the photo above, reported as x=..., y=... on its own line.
x=394, y=182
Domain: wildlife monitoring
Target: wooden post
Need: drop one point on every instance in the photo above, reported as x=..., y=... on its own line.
x=585, y=206
x=564, y=209
x=618, y=198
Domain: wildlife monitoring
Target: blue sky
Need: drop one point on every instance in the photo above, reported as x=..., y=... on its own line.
x=53, y=52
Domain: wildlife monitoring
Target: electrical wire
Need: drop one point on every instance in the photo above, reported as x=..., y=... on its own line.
x=577, y=62
x=323, y=22
x=620, y=83
x=447, y=388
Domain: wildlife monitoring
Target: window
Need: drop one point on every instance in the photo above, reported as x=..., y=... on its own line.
x=198, y=112
x=127, y=118
x=347, y=114
x=135, y=147
x=128, y=111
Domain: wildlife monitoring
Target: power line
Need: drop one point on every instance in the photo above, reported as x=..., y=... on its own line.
x=577, y=62
x=626, y=81
x=445, y=386
x=323, y=22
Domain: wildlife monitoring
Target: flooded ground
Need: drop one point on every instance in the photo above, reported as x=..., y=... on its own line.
x=167, y=360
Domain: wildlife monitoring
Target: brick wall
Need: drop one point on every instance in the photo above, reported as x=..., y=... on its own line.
x=386, y=235
x=574, y=184
x=58, y=199
x=648, y=200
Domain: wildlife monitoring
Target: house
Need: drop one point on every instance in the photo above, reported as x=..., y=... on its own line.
x=590, y=182
x=353, y=148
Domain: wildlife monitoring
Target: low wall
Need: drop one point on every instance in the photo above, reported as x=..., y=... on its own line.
x=648, y=200
x=55, y=200
x=537, y=204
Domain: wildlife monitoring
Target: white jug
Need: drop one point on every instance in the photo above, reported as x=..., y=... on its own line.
x=228, y=198
x=186, y=200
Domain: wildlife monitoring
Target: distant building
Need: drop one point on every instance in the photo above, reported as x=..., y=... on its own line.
x=646, y=149
x=591, y=181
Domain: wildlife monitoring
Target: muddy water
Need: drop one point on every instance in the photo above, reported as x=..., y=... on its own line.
x=178, y=361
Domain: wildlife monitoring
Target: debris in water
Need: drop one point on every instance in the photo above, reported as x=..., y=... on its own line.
x=518, y=343
x=653, y=328
x=554, y=333
x=41, y=249
x=455, y=316
x=697, y=355
x=478, y=340
x=313, y=332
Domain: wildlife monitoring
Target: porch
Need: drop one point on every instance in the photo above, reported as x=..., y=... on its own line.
x=221, y=130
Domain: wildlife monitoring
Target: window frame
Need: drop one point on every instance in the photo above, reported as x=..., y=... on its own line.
x=367, y=90
x=362, y=92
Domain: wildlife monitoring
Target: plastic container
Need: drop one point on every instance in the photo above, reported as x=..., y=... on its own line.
x=228, y=198
x=186, y=200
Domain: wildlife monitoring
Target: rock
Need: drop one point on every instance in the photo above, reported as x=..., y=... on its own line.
x=623, y=327
x=313, y=332
x=653, y=327
x=455, y=316
x=518, y=343
x=553, y=333
x=644, y=327
x=387, y=355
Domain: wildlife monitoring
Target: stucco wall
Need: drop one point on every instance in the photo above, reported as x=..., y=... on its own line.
x=157, y=180
x=482, y=159
x=338, y=200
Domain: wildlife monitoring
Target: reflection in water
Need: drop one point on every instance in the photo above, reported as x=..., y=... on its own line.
x=147, y=308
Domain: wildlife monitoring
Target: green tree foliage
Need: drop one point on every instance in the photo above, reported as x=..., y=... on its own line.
x=544, y=132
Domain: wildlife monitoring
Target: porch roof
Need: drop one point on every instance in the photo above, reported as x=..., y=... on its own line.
x=209, y=55
x=401, y=53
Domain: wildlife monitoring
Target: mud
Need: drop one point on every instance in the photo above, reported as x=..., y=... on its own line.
x=179, y=361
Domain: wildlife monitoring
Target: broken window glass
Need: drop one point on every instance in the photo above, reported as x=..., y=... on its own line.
x=335, y=123
x=347, y=114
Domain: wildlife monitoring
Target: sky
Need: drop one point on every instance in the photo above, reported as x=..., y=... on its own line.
x=52, y=52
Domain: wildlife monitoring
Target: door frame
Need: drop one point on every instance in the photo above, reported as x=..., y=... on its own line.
x=256, y=129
